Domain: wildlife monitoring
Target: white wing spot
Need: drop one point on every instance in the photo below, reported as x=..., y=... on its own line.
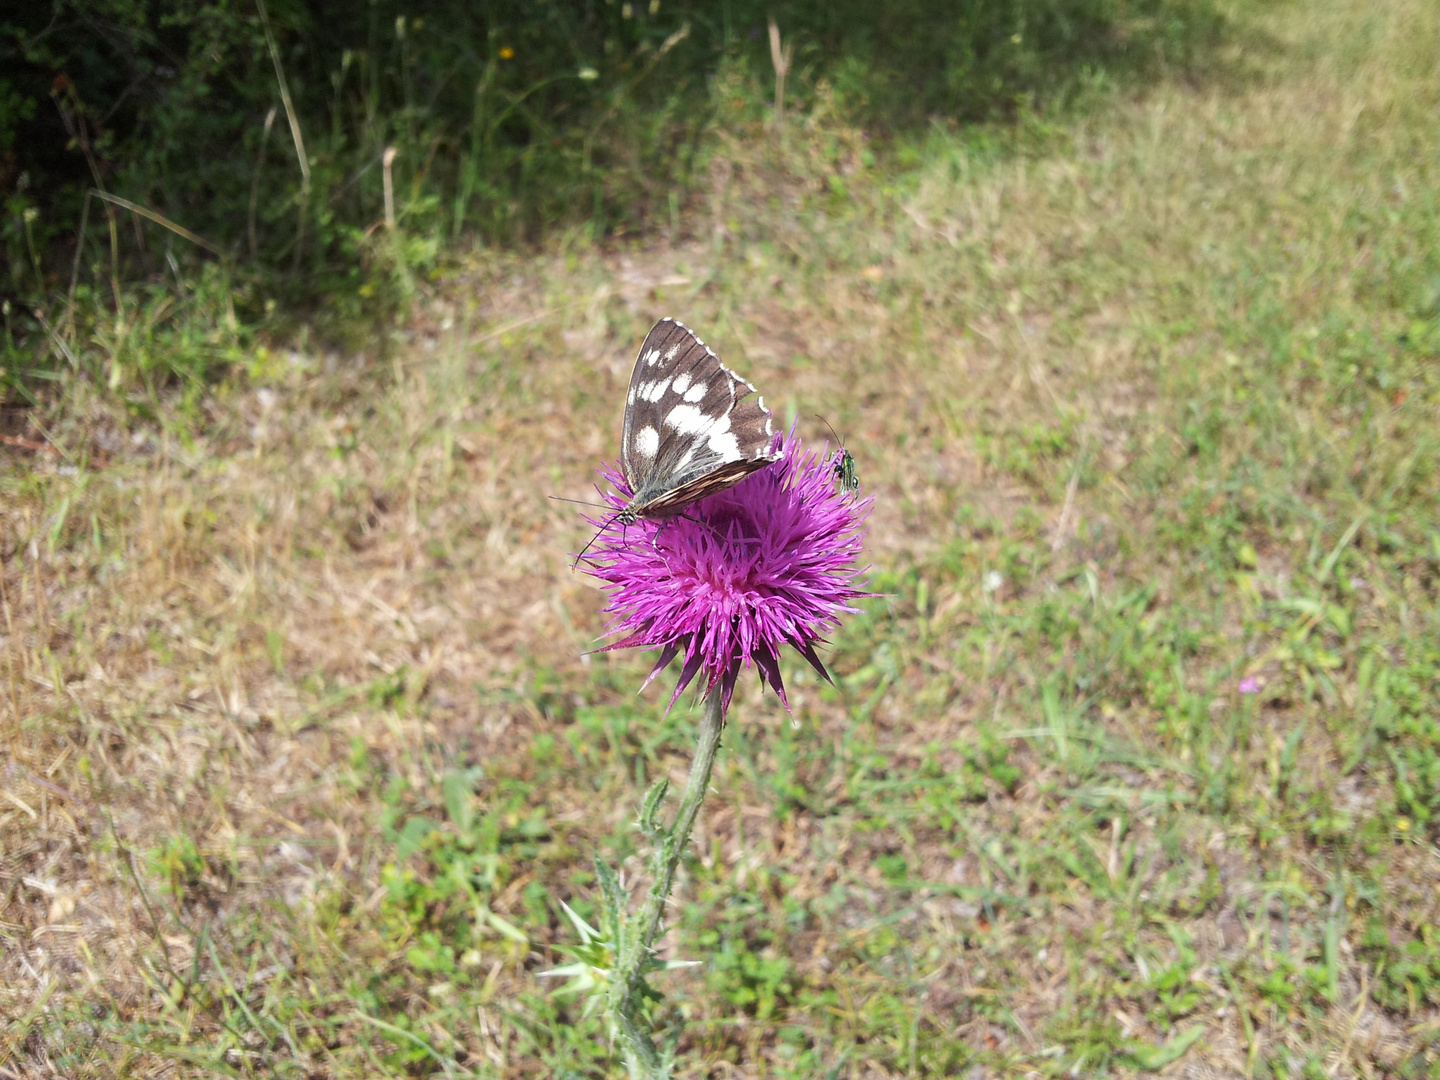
x=630, y=398
x=656, y=390
x=685, y=461
x=646, y=442
x=688, y=420
x=695, y=393
x=674, y=349
x=724, y=445
x=681, y=382
x=652, y=357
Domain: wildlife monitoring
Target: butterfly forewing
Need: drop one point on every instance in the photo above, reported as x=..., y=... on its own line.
x=692, y=426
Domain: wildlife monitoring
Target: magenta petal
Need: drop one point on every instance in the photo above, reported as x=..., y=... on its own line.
x=639, y=639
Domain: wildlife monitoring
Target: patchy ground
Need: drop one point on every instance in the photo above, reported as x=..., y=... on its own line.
x=1136, y=765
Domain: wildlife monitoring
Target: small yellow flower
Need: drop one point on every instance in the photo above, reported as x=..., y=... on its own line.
x=1402, y=824
x=507, y=53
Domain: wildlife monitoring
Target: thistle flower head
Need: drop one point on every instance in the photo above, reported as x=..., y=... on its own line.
x=768, y=562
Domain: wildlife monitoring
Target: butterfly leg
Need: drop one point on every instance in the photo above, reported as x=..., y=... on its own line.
x=597, y=536
x=704, y=524
x=664, y=524
x=716, y=533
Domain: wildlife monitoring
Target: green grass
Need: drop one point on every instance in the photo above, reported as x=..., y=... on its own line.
x=304, y=755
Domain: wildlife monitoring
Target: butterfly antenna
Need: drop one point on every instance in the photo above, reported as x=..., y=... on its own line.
x=578, y=502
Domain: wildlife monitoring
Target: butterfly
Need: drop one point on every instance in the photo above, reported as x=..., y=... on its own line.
x=691, y=426
x=844, y=464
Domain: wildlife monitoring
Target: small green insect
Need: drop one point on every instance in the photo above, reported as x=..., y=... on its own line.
x=844, y=463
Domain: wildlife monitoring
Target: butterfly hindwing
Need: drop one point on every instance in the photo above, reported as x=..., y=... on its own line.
x=692, y=426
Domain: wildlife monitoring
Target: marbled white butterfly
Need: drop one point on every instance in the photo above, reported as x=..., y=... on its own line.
x=691, y=426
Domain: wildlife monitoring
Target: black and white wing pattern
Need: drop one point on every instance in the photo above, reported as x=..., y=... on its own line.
x=692, y=426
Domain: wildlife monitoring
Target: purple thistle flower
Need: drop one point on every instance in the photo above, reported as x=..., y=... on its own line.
x=767, y=562
x=1250, y=685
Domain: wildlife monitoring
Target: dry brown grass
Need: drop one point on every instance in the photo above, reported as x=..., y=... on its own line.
x=353, y=578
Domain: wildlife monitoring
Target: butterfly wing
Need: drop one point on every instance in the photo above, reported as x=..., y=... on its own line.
x=692, y=426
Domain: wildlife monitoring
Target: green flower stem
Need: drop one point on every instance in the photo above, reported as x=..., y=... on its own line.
x=641, y=1057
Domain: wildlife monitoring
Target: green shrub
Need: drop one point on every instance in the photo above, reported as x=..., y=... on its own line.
x=506, y=118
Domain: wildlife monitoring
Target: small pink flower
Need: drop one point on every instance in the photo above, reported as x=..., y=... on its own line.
x=766, y=563
x=1250, y=685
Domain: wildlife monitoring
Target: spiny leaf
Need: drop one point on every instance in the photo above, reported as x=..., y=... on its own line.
x=650, y=811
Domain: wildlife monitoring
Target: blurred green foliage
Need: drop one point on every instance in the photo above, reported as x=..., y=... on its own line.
x=506, y=117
